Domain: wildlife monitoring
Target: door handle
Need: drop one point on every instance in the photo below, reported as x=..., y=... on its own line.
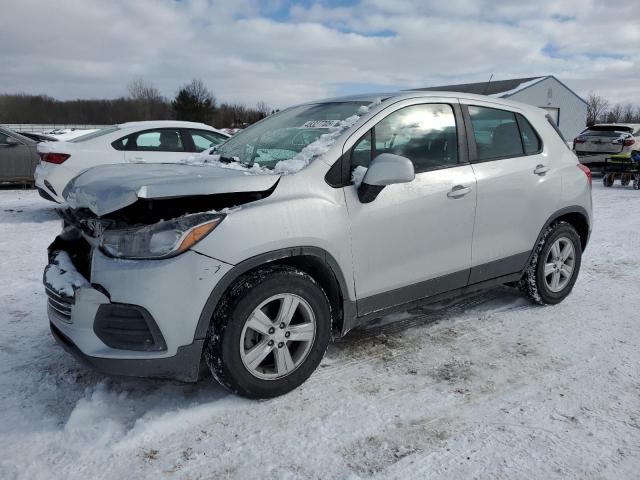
x=458, y=191
x=541, y=169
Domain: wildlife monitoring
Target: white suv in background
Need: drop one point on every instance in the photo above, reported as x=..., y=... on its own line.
x=599, y=142
x=134, y=142
x=307, y=224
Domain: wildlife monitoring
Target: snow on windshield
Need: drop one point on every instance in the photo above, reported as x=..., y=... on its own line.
x=319, y=146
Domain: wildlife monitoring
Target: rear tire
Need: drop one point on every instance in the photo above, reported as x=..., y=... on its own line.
x=625, y=179
x=554, y=266
x=636, y=182
x=248, y=348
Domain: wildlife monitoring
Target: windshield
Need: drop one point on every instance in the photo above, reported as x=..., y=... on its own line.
x=282, y=136
x=92, y=135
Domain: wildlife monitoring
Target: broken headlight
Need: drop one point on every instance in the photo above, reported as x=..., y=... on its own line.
x=160, y=240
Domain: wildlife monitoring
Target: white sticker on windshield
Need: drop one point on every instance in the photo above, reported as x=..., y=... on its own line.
x=321, y=123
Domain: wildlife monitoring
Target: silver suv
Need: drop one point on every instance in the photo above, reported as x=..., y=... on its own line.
x=250, y=258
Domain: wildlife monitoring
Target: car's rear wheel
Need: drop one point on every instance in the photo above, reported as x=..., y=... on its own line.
x=270, y=333
x=554, y=266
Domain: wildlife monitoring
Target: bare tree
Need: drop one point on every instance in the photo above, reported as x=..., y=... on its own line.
x=596, y=107
x=263, y=108
x=149, y=104
x=141, y=89
x=628, y=113
x=615, y=114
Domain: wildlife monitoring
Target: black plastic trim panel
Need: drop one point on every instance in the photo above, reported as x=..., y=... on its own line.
x=413, y=292
x=498, y=268
x=128, y=327
x=232, y=275
x=183, y=366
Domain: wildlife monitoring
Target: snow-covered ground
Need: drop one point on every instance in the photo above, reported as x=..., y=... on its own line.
x=489, y=387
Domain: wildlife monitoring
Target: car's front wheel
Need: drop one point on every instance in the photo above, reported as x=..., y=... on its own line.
x=269, y=333
x=554, y=265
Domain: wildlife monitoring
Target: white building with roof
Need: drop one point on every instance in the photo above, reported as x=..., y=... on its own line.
x=566, y=107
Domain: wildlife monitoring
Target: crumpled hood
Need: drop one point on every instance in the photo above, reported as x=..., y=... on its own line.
x=108, y=188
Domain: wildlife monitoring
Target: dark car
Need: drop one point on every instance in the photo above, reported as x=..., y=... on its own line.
x=18, y=157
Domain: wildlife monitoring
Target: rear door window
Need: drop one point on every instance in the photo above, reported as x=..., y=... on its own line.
x=203, y=140
x=496, y=133
x=161, y=140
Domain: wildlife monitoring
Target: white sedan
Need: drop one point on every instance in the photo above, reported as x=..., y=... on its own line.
x=134, y=142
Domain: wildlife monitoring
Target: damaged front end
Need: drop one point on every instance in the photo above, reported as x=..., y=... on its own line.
x=124, y=289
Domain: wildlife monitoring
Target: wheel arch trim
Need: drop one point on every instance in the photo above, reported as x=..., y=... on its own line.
x=264, y=259
x=573, y=209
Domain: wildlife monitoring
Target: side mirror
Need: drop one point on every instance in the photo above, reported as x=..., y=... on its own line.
x=12, y=142
x=385, y=169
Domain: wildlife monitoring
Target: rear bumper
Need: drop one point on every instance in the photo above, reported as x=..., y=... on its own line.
x=599, y=159
x=43, y=193
x=52, y=179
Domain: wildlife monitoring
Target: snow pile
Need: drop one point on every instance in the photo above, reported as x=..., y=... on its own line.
x=213, y=159
x=316, y=148
x=358, y=175
x=61, y=275
x=298, y=162
x=322, y=144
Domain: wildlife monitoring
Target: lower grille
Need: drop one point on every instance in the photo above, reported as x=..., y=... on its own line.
x=59, y=304
x=128, y=327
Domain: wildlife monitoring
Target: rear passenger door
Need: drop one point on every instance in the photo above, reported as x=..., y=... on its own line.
x=163, y=145
x=414, y=239
x=517, y=188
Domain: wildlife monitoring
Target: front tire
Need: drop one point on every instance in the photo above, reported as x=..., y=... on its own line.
x=554, y=266
x=269, y=333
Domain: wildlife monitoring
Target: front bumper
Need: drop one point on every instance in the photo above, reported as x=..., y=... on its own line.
x=173, y=291
x=184, y=365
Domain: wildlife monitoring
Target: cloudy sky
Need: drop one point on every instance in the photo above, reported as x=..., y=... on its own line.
x=283, y=52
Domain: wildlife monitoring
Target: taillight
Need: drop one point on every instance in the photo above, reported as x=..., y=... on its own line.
x=587, y=172
x=56, y=158
x=579, y=140
x=629, y=141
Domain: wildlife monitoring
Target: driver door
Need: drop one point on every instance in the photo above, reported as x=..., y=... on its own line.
x=414, y=239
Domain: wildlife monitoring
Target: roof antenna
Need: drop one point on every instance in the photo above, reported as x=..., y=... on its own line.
x=486, y=87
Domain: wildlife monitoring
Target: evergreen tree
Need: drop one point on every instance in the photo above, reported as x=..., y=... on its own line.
x=194, y=102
